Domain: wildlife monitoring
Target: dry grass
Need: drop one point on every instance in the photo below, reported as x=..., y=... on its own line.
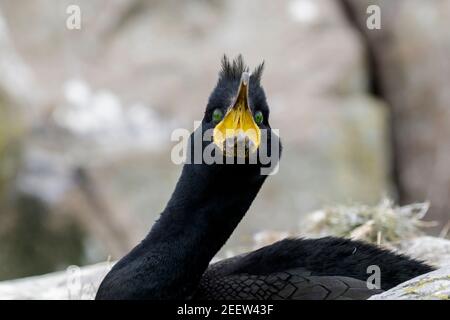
x=383, y=224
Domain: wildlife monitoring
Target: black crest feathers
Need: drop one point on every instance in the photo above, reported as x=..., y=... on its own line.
x=232, y=70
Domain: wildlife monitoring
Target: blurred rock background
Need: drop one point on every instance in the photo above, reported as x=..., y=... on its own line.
x=86, y=115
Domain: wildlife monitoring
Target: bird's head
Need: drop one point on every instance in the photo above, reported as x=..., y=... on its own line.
x=237, y=114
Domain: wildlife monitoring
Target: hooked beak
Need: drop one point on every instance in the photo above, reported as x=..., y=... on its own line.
x=238, y=134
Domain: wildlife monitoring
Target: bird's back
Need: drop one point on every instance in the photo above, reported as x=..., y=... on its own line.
x=318, y=269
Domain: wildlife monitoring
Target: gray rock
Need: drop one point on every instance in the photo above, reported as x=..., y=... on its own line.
x=435, y=251
x=411, y=53
x=73, y=284
x=431, y=286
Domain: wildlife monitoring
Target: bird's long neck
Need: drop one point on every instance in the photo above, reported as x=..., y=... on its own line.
x=205, y=208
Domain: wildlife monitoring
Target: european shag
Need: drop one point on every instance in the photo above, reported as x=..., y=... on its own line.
x=208, y=202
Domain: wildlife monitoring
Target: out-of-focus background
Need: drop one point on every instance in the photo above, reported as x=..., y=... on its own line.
x=86, y=115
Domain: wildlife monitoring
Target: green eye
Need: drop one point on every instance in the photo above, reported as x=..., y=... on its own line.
x=259, y=117
x=217, y=115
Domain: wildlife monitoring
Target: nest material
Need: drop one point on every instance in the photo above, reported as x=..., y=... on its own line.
x=382, y=224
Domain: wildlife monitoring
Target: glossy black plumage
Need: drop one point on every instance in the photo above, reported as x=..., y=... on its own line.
x=207, y=204
x=327, y=268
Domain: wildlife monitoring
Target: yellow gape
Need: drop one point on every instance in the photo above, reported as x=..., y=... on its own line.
x=238, y=134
